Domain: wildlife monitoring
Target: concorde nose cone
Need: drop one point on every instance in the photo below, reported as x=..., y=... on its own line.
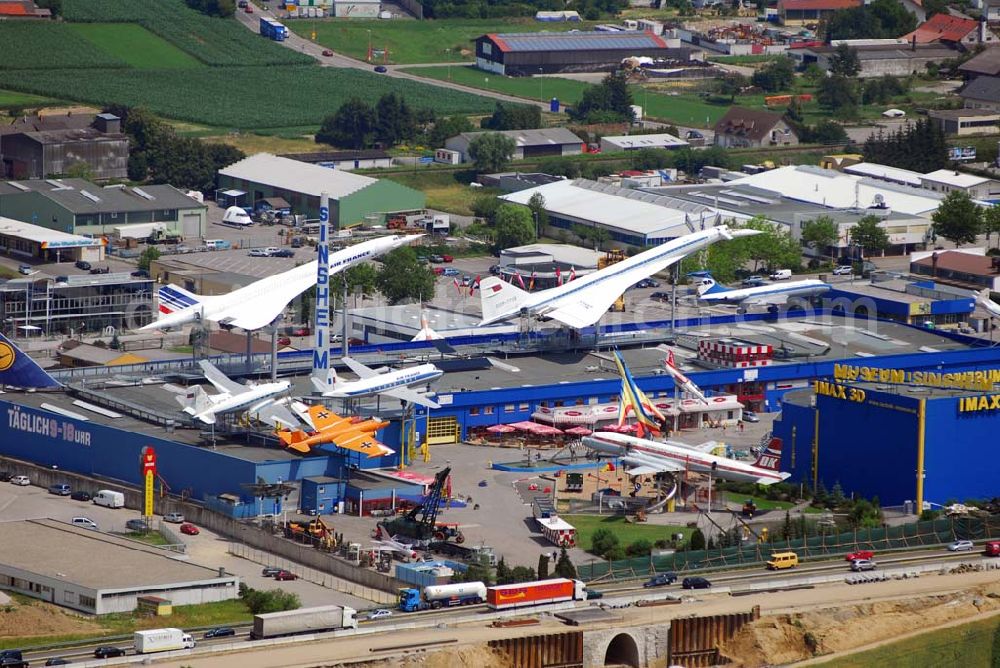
x=744, y=233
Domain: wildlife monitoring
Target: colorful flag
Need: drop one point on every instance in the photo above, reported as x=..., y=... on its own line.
x=558, y=276
x=473, y=285
x=572, y=273
x=531, y=283
x=520, y=280
x=458, y=286
x=634, y=400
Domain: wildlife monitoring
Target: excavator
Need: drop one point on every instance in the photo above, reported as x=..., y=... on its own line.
x=420, y=526
x=315, y=532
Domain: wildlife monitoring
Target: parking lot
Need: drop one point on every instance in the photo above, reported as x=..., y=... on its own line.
x=206, y=549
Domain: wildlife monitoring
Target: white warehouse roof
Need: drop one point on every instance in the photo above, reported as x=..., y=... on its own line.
x=46, y=237
x=955, y=179
x=631, y=211
x=630, y=142
x=296, y=176
x=836, y=190
x=885, y=173
x=583, y=258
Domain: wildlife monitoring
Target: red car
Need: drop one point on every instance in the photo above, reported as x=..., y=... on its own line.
x=301, y=331
x=327, y=52
x=248, y=9
x=284, y=341
x=438, y=271
x=189, y=529
x=285, y=575
x=447, y=258
x=860, y=554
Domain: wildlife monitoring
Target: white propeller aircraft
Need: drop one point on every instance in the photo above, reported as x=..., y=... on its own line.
x=262, y=401
x=395, y=384
x=581, y=302
x=258, y=304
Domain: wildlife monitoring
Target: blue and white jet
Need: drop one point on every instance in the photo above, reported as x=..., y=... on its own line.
x=773, y=294
x=581, y=302
x=397, y=384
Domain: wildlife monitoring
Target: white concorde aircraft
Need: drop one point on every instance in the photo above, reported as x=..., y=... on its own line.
x=581, y=302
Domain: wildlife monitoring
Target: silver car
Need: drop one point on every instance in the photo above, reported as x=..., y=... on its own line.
x=960, y=546
x=174, y=518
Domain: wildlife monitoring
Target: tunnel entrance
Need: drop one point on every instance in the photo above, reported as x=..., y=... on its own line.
x=622, y=651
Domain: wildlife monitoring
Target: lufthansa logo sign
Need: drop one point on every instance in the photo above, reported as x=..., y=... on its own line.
x=7, y=356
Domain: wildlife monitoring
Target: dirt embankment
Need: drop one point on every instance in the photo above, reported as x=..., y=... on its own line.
x=781, y=639
x=22, y=620
x=476, y=656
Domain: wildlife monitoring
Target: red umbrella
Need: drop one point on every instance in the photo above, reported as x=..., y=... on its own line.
x=501, y=429
x=579, y=431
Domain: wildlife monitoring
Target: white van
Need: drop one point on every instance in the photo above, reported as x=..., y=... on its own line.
x=109, y=499
x=781, y=275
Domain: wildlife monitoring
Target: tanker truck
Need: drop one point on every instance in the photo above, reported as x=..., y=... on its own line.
x=442, y=596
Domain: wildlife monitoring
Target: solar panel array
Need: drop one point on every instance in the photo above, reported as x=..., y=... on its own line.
x=579, y=41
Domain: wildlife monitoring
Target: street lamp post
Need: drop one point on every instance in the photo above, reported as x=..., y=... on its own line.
x=369, y=55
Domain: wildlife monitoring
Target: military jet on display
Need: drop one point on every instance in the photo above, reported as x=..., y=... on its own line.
x=343, y=432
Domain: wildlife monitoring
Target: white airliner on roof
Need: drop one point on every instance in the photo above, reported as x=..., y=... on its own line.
x=258, y=304
x=582, y=302
x=262, y=400
x=771, y=294
x=396, y=384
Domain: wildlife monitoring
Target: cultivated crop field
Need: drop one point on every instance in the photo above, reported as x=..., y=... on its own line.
x=30, y=45
x=135, y=45
x=216, y=42
x=219, y=96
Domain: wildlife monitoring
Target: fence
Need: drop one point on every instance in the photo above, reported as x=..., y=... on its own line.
x=918, y=534
x=315, y=575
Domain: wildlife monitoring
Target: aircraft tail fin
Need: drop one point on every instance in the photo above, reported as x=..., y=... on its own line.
x=17, y=369
x=196, y=401
x=290, y=437
x=172, y=298
x=325, y=384
x=770, y=457
x=500, y=299
x=708, y=286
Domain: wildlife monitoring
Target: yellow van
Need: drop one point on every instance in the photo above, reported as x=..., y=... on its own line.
x=783, y=560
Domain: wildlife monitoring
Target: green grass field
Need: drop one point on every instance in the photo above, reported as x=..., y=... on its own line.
x=135, y=45
x=29, y=45
x=765, y=504
x=431, y=41
x=12, y=98
x=444, y=192
x=974, y=644
x=627, y=532
x=684, y=108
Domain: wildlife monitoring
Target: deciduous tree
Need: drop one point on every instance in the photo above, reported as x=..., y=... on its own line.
x=820, y=233
x=958, y=218
x=869, y=235
x=513, y=227
x=402, y=277
x=491, y=152
x=352, y=126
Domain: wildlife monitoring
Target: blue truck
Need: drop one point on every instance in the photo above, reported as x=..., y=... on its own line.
x=442, y=596
x=273, y=30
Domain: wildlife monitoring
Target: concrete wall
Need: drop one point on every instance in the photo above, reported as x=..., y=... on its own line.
x=637, y=646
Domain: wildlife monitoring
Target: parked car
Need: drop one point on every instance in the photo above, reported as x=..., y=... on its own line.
x=83, y=265
x=189, y=529
x=436, y=259
x=137, y=525
x=647, y=283
x=843, y=270
x=381, y=613
x=60, y=490
x=84, y=522
x=660, y=296
x=696, y=583
x=241, y=4
x=327, y=52
x=447, y=258
x=219, y=632
x=174, y=518
x=80, y=496
x=781, y=275
x=24, y=269
x=661, y=580
x=750, y=416
x=101, y=270
x=301, y=331
x=494, y=270
x=269, y=571
x=284, y=341
x=438, y=271
x=285, y=575
x=752, y=281
x=20, y=480
x=108, y=652
x=140, y=273
x=450, y=271
x=859, y=554
x=258, y=252
x=960, y=546
x=859, y=565
x=381, y=69
x=248, y=9
x=283, y=252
